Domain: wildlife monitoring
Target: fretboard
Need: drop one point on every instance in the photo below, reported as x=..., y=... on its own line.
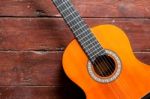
x=81, y=31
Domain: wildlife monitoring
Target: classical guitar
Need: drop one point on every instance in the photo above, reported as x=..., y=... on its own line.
x=100, y=60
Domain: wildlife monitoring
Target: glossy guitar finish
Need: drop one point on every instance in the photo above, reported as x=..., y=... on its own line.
x=132, y=83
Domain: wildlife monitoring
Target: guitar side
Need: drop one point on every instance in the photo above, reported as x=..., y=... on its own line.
x=133, y=82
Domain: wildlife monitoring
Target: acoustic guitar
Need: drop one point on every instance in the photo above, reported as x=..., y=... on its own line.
x=100, y=60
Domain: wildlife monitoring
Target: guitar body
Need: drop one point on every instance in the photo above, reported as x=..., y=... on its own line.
x=134, y=79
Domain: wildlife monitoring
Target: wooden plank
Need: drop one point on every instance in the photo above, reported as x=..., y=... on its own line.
x=27, y=74
x=53, y=34
x=40, y=92
x=31, y=68
x=144, y=57
x=92, y=8
x=37, y=68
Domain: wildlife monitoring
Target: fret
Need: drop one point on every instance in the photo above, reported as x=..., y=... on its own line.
x=80, y=28
x=73, y=19
x=87, y=36
x=69, y=14
x=57, y=2
x=96, y=45
x=70, y=10
x=94, y=50
x=76, y=24
x=88, y=40
x=81, y=31
x=101, y=52
x=62, y=4
x=92, y=56
x=66, y=9
x=78, y=35
x=88, y=44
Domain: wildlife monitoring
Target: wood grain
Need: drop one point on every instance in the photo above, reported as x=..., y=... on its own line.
x=53, y=33
x=37, y=68
x=40, y=92
x=33, y=37
x=104, y=8
x=30, y=68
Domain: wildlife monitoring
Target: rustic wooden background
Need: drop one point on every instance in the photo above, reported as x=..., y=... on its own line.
x=33, y=37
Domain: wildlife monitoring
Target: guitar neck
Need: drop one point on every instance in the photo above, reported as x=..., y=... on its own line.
x=79, y=28
x=72, y=17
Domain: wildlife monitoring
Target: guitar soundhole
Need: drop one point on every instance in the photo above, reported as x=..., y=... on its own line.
x=104, y=66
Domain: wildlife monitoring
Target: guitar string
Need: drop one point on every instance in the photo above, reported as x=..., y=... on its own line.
x=104, y=61
x=124, y=84
x=90, y=50
x=110, y=86
x=106, y=65
x=104, y=57
x=110, y=66
x=97, y=62
x=111, y=70
x=102, y=74
x=96, y=65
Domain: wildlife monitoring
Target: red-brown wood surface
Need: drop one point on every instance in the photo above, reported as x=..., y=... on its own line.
x=87, y=8
x=31, y=46
x=53, y=33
